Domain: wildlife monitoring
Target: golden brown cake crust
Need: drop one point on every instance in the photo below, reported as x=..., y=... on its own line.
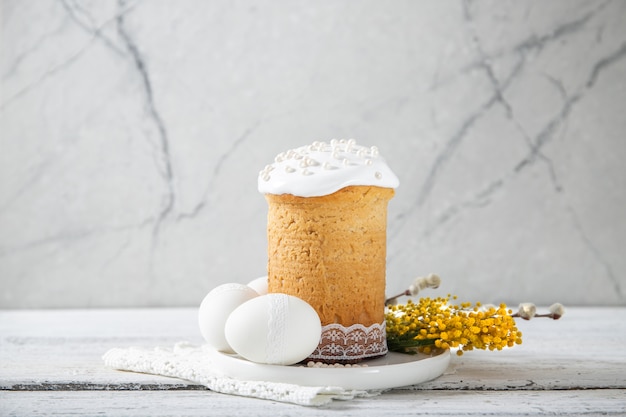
x=331, y=252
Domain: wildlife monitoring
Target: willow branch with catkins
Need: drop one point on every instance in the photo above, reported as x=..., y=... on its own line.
x=435, y=323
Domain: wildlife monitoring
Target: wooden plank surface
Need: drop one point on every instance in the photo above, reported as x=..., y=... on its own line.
x=577, y=364
x=62, y=349
x=396, y=404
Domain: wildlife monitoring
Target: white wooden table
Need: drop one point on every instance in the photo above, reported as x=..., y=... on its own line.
x=50, y=364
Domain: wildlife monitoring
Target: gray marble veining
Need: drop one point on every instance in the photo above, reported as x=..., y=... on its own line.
x=133, y=133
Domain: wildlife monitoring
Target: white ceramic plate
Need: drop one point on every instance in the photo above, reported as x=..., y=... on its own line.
x=391, y=371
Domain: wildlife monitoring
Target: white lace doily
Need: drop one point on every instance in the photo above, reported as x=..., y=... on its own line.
x=191, y=363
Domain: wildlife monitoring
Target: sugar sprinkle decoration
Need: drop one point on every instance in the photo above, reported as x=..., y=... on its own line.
x=345, y=153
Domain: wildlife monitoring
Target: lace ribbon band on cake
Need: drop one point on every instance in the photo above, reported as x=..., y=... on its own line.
x=339, y=344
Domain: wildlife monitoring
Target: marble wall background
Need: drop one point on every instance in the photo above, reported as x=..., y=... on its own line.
x=133, y=132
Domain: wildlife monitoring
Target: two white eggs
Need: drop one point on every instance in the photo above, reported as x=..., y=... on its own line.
x=277, y=329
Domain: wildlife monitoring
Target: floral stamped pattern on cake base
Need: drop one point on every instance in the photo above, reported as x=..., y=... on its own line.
x=340, y=344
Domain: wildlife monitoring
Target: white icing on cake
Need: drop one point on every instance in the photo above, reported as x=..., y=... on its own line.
x=323, y=168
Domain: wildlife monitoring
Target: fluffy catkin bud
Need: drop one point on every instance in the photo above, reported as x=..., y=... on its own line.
x=557, y=310
x=527, y=311
x=433, y=280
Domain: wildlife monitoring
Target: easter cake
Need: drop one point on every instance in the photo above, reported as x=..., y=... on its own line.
x=326, y=231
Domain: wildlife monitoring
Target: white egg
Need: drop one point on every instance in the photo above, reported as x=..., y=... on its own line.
x=215, y=309
x=259, y=285
x=276, y=329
